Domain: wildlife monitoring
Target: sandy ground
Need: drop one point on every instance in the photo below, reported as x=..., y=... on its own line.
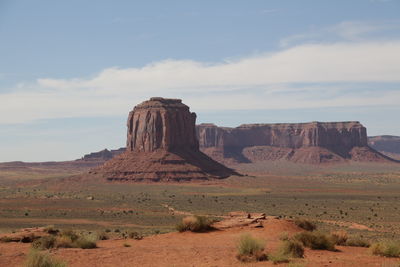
x=217, y=248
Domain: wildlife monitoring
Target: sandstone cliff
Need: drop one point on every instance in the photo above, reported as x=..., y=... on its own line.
x=314, y=142
x=161, y=124
x=162, y=145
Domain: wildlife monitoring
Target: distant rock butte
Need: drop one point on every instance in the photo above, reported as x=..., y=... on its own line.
x=162, y=146
x=314, y=142
x=104, y=154
x=386, y=144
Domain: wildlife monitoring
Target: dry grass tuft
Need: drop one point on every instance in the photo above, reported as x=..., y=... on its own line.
x=339, y=237
x=195, y=224
x=315, y=240
x=357, y=242
x=50, y=229
x=305, y=224
x=386, y=248
x=292, y=248
x=45, y=242
x=67, y=239
x=250, y=249
x=37, y=259
x=279, y=258
x=135, y=235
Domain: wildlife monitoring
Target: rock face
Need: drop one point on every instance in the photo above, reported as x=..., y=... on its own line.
x=386, y=144
x=162, y=146
x=314, y=142
x=161, y=124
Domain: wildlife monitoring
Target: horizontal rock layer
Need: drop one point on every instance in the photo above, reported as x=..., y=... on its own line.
x=313, y=142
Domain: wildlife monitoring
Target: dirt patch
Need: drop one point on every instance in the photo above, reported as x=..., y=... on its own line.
x=350, y=225
x=217, y=248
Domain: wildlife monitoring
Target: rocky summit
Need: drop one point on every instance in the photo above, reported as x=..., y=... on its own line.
x=162, y=146
x=314, y=142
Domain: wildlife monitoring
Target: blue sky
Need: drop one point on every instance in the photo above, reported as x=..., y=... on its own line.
x=70, y=71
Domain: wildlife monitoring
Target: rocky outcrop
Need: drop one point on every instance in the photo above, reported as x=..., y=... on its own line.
x=386, y=144
x=162, y=146
x=102, y=155
x=314, y=142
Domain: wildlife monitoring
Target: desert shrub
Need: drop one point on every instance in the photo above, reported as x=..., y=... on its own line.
x=288, y=249
x=278, y=258
x=194, y=224
x=315, y=240
x=339, y=237
x=126, y=245
x=37, y=259
x=386, y=248
x=64, y=242
x=70, y=234
x=28, y=238
x=250, y=249
x=305, y=224
x=292, y=248
x=84, y=243
x=135, y=235
x=45, y=242
x=67, y=239
x=102, y=236
x=50, y=229
x=357, y=242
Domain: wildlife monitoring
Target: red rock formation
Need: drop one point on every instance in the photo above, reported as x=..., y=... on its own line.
x=162, y=145
x=161, y=124
x=104, y=154
x=313, y=142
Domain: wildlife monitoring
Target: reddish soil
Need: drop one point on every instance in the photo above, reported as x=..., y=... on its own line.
x=217, y=248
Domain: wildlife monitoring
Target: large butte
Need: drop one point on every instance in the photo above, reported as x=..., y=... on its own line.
x=162, y=146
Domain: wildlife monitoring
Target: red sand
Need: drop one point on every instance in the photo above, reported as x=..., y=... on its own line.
x=216, y=248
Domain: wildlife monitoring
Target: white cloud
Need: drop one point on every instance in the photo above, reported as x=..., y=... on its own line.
x=347, y=31
x=356, y=30
x=263, y=81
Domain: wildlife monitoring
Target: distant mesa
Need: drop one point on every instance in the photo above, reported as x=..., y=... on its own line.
x=104, y=154
x=162, y=146
x=386, y=144
x=314, y=142
x=311, y=143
